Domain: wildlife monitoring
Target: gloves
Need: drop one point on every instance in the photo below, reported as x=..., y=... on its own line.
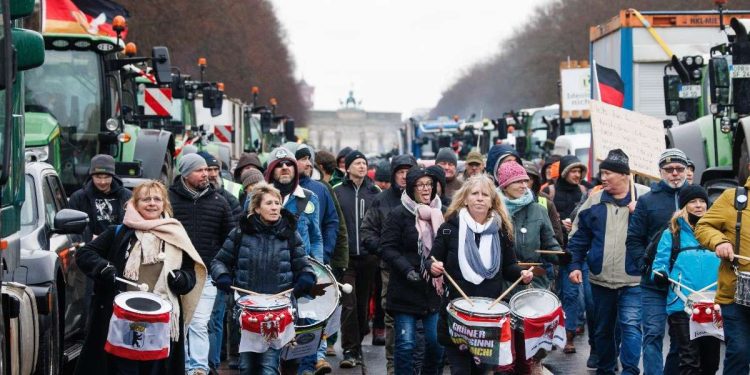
x=178, y=283
x=303, y=285
x=318, y=290
x=565, y=258
x=413, y=276
x=224, y=283
x=107, y=274
x=661, y=280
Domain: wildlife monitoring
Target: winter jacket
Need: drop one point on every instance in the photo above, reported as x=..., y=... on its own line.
x=269, y=258
x=337, y=177
x=308, y=223
x=566, y=196
x=695, y=266
x=445, y=249
x=234, y=204
x=109, y=248
x=717, y=227
x=355, y=202
x=103, y=209
x=382, y=205
x=598, y=236
x=340, y=256
x=496, y=154
x=554, y=218
x=207, y=219
x=328, y=219
x=533, y=231
x=651, y=215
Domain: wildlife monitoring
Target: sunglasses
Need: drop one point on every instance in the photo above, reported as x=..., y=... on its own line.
x=286, y=163
x=673, y=169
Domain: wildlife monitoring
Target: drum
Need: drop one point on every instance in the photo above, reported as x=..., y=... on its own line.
x=483, y=331
x=538, y=320
x=140, y=327
x=266, y=322
x=705, y=316
x=532, y=303
x=742, y=289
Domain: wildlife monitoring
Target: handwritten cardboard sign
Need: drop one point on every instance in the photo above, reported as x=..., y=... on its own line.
x=639, y=135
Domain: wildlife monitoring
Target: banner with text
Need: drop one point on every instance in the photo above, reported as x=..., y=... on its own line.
x=487, y=339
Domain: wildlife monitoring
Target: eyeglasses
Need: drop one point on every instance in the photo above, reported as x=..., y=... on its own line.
x=286, y=163
x=424, y=186
x=150, y=199
x=673, y=169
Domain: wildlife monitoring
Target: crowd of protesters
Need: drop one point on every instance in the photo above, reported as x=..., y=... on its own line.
x=625, y=260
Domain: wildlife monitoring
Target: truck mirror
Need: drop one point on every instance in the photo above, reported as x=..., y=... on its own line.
x=212, y=99
x=161, y=65
x=289, y=130
x=179, y=91
x=718, y=78
x=266, y=121
x=521, y=144
x=30, y=49
x=671, y=94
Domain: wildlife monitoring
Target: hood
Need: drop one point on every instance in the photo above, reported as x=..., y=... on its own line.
x=269, y=171
x=496, y=154
x=414, y=174
x=285, y=229
x=247, y=158
x=312, y=152
x=438, y=174
x=398, y=161
x=342, y=154
x=568, y=162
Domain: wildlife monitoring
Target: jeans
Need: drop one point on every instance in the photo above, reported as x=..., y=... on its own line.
x=621, y=306
x=699, y=356
x=216, y=330
x=266, y=363
x=405, y=329
x=197, y=342
x=571, y=299
x=736, y=336
x=654, y=316
x=308, y=363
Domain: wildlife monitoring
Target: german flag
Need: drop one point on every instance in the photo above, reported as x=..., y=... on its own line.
x=610, y=85
x=81, y=16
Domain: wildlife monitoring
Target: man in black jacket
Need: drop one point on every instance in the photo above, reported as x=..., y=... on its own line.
x=355, y=194
x=372, y=230
x=214, y=178
x=207, y=219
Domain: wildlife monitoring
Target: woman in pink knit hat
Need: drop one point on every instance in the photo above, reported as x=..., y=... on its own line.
x=533, y=231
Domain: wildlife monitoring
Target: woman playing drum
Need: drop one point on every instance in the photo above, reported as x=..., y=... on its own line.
x=475, y=247
x=149, y=248
x=694, y=267
x=407, y=241
x=270, y=258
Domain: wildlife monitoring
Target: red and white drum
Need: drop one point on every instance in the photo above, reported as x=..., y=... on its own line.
x=539, y=319
x=139, y=327
x=266, y=321
x=483, y=331
x=705, y=316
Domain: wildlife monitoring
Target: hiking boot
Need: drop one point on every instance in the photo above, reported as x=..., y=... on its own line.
x=378, y=337
x=349, y=361
x=570, y=347
x=330, y=351
x=592, y=361
x=322, y=367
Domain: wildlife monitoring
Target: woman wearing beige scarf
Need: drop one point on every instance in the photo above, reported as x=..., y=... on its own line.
x=151, y=248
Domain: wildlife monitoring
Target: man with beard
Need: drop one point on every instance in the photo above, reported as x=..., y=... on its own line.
x=371, y=232
x=650, y=218
x=474, y=164
x=447, y=160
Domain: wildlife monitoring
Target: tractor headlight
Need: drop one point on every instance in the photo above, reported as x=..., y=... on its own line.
x=112, y=124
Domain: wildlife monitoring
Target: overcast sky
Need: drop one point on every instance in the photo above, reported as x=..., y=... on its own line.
x=397, y=55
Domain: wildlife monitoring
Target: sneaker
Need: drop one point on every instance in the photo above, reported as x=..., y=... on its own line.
x=378, y=337
x=322, y=367
x=330, y=351
x=349, y=361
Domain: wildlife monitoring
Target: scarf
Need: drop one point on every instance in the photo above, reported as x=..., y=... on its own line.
x=168, y=234
x=427, y=221
x=195, y=194
x=285, y=189
x=483, y=262
x=513, y=205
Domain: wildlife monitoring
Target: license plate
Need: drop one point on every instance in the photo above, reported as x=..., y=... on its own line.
x=690, y=91
x=740, y=71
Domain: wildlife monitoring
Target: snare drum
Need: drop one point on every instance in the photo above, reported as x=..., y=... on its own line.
x=140, y=327
x=532, y=303
x=705, y=316
x=742, y=289
x=266, y=322
x=484, y=331
x=538, y=320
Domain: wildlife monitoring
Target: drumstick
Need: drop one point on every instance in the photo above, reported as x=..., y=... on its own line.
x=529, y=264
x=279, y=294
x=505, y=293
x=550, y=252
x=142, y=287
x=243, y=290
x=455, y=285
x=675, y=282
x=708, y=286
x=741, y=257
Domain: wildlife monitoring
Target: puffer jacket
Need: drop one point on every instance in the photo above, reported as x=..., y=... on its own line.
x=207, y=219
x=382, y=205
x=103, y=209
x=598, y=237
x=269, y=259
x=355, y=201
x=496, y=154
x=651, y=215
x=717, y=227
x=695, y=266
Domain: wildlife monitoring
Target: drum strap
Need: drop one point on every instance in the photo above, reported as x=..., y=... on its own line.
x=739, y=205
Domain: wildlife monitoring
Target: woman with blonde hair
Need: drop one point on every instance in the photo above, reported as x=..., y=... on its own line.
x=475, y=247
x=149, y=248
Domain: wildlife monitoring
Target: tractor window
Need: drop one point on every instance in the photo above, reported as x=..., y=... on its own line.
x=29, y=215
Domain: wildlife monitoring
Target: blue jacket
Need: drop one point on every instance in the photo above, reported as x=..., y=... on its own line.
x=496, y=153
x=308, y=225
x=598, y=236
x=651, y=215
x=328, y=219
x=695, y=267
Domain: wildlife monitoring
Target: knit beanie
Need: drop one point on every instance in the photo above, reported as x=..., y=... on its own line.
x=690, y=192
x=280, y=153
x=102, y=163
x=211, y=161
x=352, y=156
x=510, y=173
x=191, y=162
x=672, y=155
x=617, y=161
x=447, y=155
x=303, y=152
x=250, y=177
x=342, y=154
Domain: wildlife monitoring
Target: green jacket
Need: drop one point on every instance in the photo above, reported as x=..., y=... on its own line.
x=533, y=231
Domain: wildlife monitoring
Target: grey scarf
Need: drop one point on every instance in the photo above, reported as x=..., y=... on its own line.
x=473, y=252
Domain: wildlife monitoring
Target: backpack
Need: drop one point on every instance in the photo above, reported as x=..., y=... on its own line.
x=653, y=245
